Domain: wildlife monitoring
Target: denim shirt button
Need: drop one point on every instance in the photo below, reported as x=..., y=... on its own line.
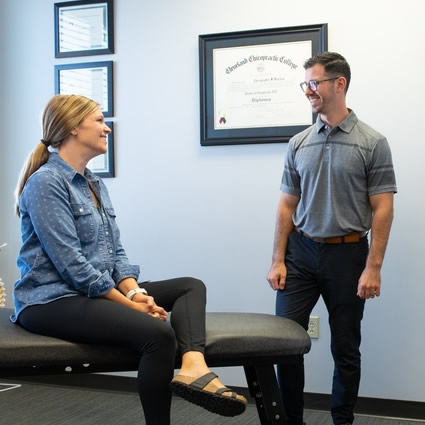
x=110, y=251
x=81, y=210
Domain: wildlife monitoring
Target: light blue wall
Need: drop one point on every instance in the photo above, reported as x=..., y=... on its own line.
x=209, y=211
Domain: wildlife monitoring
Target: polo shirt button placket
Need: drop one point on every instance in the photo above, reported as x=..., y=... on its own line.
x=327, y=141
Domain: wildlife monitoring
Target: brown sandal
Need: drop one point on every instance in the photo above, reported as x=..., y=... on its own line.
x=195, y=392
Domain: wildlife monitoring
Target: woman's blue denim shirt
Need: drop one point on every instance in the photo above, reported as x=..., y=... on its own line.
x=69, y=246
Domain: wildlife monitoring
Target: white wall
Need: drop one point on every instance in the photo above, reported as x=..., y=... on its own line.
x=209, y=211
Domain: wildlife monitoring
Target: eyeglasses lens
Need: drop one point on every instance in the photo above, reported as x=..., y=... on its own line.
x=311, y=84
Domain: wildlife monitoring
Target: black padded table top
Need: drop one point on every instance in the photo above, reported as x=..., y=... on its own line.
x=232, y=339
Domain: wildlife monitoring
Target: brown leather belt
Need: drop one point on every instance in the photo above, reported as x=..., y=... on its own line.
x=349, y=238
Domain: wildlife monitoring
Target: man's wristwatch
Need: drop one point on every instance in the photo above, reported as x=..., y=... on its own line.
x=133, y=292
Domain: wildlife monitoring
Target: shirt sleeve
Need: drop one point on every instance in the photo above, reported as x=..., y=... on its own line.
x=381, y=176
x=46, y=200
x=123, y=268
x=290, y=178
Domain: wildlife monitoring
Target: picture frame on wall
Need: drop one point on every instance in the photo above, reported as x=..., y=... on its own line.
x=91, y=79
x=249, y=84
x=104, y=165
x=84, y=28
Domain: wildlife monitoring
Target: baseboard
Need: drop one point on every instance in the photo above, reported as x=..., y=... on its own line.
x=372, y=406
x=365, y=406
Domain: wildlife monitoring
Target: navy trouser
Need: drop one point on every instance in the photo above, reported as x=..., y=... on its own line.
x=100, y=321
x=331, y=271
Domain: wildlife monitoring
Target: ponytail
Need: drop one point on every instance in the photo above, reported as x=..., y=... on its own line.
x=38, y=157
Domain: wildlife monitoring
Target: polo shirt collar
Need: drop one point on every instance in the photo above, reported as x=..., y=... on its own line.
x=346, y=126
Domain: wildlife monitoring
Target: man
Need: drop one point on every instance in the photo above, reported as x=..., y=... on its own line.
x=338, y=183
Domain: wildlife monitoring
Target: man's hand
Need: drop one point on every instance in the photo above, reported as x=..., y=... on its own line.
x=369, y=283
x=277, y=276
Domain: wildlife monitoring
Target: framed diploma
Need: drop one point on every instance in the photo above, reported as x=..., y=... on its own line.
x=249, y=84
x=91, y=79
x=104, y=165
x=84, y=28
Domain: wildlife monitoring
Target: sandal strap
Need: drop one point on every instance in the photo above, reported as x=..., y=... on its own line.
x=220, y=391
x=203, y=381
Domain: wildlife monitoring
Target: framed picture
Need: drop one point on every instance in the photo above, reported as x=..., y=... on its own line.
x=249, y=84
x=92, y=79
x=104, y=165
x=84, y=28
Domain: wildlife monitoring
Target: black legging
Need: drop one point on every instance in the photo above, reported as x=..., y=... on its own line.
x=100, y=321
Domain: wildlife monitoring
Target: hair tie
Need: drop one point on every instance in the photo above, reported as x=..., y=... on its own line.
x=45, y=143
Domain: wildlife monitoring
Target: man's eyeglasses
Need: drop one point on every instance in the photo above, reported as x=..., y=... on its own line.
x=312, y=84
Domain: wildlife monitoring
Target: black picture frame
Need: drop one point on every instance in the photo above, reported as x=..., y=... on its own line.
x=210, y=44
x=104, y=165
x=84, y=28
x=90, y=79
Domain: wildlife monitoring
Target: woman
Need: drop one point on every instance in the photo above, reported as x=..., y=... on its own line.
x=77, y=283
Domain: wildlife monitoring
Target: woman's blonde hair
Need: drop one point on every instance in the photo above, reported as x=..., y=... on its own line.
x=62, y=114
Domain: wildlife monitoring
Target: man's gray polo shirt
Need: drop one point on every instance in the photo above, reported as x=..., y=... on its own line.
x=334, y=171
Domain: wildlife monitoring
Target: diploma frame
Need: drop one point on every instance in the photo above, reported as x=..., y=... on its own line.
x=210, y=135
x=69, y=81
x=104, y=165
x=84, y=28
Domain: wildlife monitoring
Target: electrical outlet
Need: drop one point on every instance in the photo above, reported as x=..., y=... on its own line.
x=314, y=327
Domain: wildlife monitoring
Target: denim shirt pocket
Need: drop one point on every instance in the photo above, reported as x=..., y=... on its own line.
x=110, y=212
x=85, y=222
